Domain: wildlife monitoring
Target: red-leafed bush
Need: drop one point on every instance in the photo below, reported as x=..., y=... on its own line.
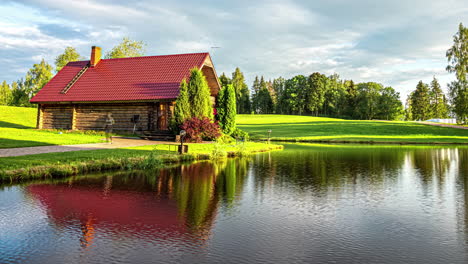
x=201, y=129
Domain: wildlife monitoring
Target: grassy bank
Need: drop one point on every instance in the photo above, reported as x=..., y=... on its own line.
x=57, y=165
x=317, y=129
x=17, y=129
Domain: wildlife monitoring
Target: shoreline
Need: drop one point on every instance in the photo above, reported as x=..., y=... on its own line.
x=152, y=160
x=364, y=142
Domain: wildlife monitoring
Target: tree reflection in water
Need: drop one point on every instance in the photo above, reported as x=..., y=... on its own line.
x=328, y=193
x=160, y=204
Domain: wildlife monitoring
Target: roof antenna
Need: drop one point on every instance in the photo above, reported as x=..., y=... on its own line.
x=215, y=47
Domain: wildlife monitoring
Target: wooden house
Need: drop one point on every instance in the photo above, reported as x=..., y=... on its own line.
x=140, y=92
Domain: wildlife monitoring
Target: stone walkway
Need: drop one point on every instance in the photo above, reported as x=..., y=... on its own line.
x=117, y=143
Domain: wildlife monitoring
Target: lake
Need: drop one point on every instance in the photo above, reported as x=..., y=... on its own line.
x=310, y=203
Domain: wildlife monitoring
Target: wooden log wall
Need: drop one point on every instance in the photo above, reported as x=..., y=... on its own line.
x=93, y=117
x=56, y=117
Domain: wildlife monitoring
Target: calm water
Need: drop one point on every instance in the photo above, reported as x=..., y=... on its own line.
x=307, y=204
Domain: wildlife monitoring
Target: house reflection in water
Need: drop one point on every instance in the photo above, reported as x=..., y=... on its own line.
x=175, y=204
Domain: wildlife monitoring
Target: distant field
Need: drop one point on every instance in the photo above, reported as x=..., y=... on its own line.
x=17, y=130
x=307, y=128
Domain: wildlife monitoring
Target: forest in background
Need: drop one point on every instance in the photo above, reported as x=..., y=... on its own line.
x=316, y=94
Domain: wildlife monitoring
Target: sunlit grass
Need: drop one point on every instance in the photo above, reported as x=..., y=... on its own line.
x=285, y=127
x=17, y=129
x=75, y=162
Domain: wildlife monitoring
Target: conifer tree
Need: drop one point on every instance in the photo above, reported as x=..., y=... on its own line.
x=221, y=103
x=182, y=107
x=227, y=110
x=199, y=95
x=420, y=102
x=224, y=80
x=439, y=107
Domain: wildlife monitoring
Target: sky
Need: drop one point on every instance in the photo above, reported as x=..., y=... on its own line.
x=396, y=43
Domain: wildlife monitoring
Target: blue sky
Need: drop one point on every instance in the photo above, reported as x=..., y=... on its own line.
x=394, y=42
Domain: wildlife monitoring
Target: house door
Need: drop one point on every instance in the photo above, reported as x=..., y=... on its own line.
x=162, y=117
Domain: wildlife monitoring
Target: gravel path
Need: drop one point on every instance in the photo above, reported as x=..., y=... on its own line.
x=117, y=143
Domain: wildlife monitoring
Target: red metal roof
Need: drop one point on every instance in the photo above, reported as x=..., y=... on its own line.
x=125, y=79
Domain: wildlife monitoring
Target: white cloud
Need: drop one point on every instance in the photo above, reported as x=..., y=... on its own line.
x=395, y=42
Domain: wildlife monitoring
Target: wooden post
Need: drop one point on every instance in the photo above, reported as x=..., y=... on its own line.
x=73, y=126
x=39, y=116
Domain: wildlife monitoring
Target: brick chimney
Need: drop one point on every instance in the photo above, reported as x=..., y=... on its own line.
x=95, y=56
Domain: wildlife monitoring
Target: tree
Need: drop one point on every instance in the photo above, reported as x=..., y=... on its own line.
x=127, y=48
x=367, y=106
x=390, y=106
x=334, y=102
x=421, y=102
x=315, y=96
x=70, y=54
x=409, y=108
x=244, y=104
x=350, y=98
x=5, y=94
x=182, y=106
x=224, y=80
x=19, y=94
x=457, y=57
x=439, y=107
x=264, y=101
x=255, y=91
x=38, y=76
x=227, y=109
x=199, y=95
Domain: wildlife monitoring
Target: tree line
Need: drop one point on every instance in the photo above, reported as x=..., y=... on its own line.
x=321, y=95
x=318, y=95
x=315, y=94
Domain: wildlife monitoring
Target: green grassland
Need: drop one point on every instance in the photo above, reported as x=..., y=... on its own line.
x=56, y=165
x=318, y=129
x=17, y=129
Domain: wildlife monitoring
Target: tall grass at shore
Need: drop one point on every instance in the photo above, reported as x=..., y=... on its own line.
x=58, y=165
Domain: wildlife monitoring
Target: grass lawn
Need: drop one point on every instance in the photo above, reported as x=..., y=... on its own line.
x=307, y=128
x=75, y=162
x=17, y=129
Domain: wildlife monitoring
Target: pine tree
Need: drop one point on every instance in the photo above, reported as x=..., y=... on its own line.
x=264, y=100
x=182, y=107
x=224, y=80
x=199, y=95
x=221, y=105
x=255, y=91
x=421, y=102
x=5, y=94
x=439, y=107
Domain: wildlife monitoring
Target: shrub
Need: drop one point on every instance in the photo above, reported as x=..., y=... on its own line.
x=225, y=139
x=201, y=129
x=240, y=134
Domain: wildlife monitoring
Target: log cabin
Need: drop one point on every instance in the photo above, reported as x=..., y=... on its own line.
x=140, y=92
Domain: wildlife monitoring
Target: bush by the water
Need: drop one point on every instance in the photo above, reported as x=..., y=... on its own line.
x=240, y=134
x=201, y=129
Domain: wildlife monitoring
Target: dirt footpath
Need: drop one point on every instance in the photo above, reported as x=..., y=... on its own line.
x=117, y=143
